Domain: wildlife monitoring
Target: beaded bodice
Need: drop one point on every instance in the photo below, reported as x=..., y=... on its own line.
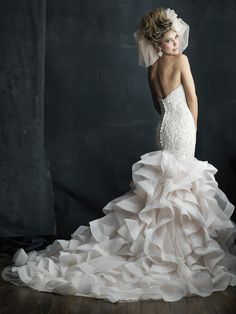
x=177, y=131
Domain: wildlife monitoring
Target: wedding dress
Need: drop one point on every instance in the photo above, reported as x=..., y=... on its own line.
x=168, y=237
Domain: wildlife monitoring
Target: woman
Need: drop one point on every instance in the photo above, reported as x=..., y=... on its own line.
x=171, y=235
x=161, y=39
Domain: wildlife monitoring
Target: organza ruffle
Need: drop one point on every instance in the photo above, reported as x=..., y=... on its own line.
x=170, y=236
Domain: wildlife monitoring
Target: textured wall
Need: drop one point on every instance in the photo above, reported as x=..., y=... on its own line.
x=25, y=186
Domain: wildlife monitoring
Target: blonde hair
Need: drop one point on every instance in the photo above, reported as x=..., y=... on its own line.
x=154, y=25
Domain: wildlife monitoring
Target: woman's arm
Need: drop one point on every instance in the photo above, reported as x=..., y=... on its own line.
x=189, y=87
x=152, y=84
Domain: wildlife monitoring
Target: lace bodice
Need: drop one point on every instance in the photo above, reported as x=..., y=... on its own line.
x=176, y=131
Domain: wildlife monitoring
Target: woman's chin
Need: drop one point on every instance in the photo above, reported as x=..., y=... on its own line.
x=174, y=52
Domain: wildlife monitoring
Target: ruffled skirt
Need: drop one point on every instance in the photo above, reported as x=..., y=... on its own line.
x=170, y=236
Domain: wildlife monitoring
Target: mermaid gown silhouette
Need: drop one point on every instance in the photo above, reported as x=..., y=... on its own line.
x=168, y=237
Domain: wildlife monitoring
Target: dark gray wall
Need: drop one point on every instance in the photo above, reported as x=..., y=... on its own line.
x=26, y=196
x=98, y=112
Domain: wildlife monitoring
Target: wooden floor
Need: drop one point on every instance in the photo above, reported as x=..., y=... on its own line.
x=24, y=300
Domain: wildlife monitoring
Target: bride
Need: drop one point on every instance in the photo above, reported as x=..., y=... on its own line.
x=171, y=235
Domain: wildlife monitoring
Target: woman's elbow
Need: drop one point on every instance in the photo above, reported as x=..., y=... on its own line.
x=192, y=99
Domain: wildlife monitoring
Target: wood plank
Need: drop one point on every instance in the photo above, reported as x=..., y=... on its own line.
x=179, y=307
x=148, y=307
x=63, y=304
x=103, y=306
x=12, y=297
x=192, y=306
x=117, y=308
x=204, y=305
x=36, y=302
x=88, y=305
x=230, y=298
x=219, y=302
x=163, y=307
x=133, y=308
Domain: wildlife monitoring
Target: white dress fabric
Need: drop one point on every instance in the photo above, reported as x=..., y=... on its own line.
x=168, y=237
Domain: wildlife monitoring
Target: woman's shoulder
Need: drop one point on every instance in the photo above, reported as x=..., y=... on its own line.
x=181, y=57
x=182, y=60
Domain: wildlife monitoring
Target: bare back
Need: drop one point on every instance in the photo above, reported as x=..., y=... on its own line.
x=168, y=75
x=170, y=71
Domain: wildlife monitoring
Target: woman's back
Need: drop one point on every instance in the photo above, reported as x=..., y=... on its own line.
x=166, y=72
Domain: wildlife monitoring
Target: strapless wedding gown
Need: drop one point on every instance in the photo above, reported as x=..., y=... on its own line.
x=168, y=237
